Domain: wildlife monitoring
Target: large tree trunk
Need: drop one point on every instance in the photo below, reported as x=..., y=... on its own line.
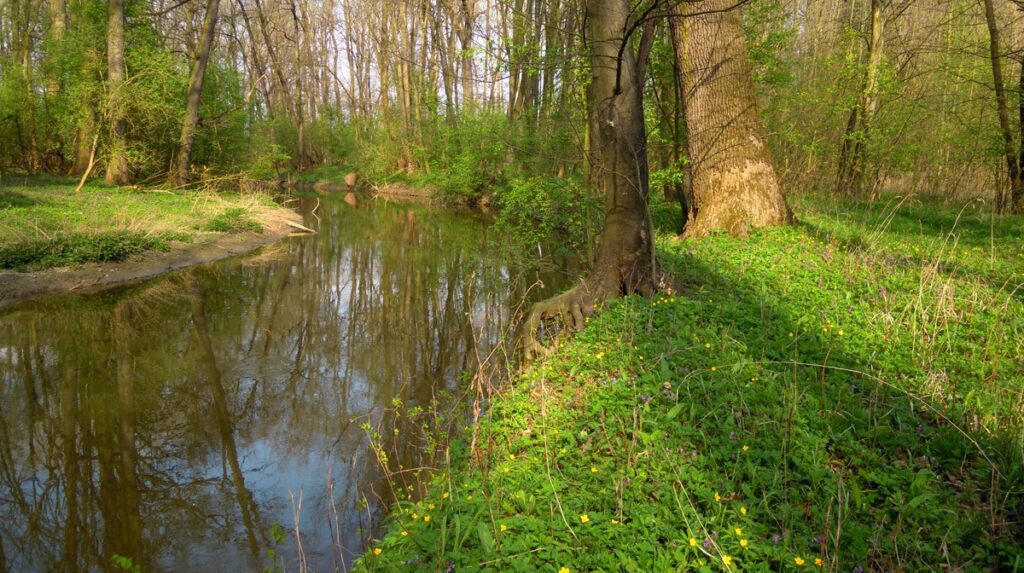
x=850, y=179
x=625, y=261
x=1013, y=166
x=117, y=160
x=734, y=183
x=183, y=165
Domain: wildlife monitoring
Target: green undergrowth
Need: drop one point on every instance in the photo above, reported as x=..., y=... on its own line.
x=842, y=395
x=44, y=223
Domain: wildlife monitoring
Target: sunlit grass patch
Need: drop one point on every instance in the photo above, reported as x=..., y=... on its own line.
x=48, y=224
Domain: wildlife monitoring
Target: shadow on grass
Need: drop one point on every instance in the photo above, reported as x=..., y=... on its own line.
x=842, y=443
x=847, y=457
x=13, y=199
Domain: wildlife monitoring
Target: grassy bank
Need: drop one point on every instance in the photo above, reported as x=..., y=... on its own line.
x=843, y=395
x=44, y=223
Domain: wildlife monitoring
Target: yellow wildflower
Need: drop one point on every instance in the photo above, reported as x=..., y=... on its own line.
x=726, y=559
x=693, y=542
x=378, y=551
x=738, y=531
x=503, y=528
x=469, y=498
x=415, y=517
x=707, y=345
x=743, y=510
x=593, y=469
x=799, y=560
x=585, y=518
x=599, y=355
x=615, y=522
x=743, y=543
x=564, y=570
x=718, y=498
x=405, y=534
x=426, y=519
x=431, y=506
x=818, y=561
x=746, y=448
x=444, y=495
x=714, y=368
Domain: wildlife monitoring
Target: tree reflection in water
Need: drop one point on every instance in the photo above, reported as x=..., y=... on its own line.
x=170, y=422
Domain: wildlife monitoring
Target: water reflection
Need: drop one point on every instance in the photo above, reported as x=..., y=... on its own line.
x=173, y=424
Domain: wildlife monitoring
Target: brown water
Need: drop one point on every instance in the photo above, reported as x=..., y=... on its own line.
x=177, y=422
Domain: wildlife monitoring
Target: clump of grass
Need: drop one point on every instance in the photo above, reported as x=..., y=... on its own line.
x=233, y=220
x=74, y=249
x=842, y=396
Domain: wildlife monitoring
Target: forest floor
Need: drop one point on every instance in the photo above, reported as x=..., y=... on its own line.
x=53, y=240
x=846, y=394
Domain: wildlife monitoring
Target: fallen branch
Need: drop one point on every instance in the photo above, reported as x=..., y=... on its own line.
x=92, y=163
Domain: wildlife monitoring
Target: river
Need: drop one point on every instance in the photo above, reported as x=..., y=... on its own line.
x=190, y=422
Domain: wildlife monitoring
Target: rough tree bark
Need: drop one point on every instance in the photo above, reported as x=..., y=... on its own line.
x=117, y=160
x=625, y=262
x=1013, y=165
x=850, y=179
x=183, y=164
x=735, y=186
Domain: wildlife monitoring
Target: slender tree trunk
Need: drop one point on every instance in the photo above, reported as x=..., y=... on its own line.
x=734, y=183
x=852, y=157
x=1018, y=199
x=625, y=261
x=58, y=25
x=1013, y=167
x=680, y=140
x=183, y=165
x=117, y=160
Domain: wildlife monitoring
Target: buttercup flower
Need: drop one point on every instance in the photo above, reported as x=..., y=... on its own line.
x=718, y=498
x=799, y=560
x=564, y=570
x=743, y=543
x=405, y=534
x=726, y=559
x=818, y=561
x=739, y=531
x=743, y=510
x=503, y=528
x=585, y=518
x=693, y=542
x=378, y=551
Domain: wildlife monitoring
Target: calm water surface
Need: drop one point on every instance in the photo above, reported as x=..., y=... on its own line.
x=178, y=422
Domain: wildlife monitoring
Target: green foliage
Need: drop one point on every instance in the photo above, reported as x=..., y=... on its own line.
x=233, y=220
x=125, y=564
x=73, y=249
x=550, y=211
x=846, y=391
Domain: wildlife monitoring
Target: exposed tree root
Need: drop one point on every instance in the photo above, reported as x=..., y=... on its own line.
x=549, y=319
